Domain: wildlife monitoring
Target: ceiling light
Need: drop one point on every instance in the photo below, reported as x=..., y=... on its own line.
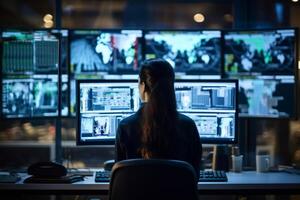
x=199, y=18
x=48, y=24
x=48, y=18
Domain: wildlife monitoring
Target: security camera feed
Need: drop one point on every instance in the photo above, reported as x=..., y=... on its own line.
x=268, y=97
x=102, y=105
x=213, y=107
x=189, y=52
x=105, y=52
x=30, y=97
x=30, y=61
x=260, y=52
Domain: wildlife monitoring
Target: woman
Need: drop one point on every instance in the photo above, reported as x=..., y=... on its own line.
x=157, y=130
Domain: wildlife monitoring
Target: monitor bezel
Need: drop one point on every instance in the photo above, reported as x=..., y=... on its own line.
x=58, y=36
x=110, y=142
x=295, y=114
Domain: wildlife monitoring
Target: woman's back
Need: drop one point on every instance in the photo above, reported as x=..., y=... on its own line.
x=157, y=130
x=185, y=146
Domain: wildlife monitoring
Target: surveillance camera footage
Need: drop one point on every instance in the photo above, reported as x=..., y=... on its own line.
x=260, y=52
x=189, y=52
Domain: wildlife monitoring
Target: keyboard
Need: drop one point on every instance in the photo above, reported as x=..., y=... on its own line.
x=205, y=176
x=213, y=176
x=102, y=176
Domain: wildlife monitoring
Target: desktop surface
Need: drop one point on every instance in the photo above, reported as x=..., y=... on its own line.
x=248, y=182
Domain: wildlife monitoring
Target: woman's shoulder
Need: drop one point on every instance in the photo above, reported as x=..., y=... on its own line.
x=130, y=120
x=185, y=119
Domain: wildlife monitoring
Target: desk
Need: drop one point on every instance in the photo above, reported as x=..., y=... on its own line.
x=238, y=183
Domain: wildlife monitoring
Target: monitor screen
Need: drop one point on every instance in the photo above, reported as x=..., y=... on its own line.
x=30, y=61
x=271, y=97
x=101, y=106
x=104, y=103
x=105, y=52
x=189, y=52
x=213, y=107
x=260, y=52
x=33, y=96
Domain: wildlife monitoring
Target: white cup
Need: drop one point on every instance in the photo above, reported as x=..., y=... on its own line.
x=262, y=163
x=237, y=163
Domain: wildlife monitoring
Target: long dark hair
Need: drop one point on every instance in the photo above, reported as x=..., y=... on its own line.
x=159, y=114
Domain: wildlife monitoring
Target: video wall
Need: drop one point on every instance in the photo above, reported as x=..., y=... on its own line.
x=37, y=64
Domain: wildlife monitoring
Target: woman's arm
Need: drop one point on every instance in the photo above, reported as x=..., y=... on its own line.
x=196, y=149
x=120, y=153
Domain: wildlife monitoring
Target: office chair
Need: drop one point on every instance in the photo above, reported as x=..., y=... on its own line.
x=143, y=179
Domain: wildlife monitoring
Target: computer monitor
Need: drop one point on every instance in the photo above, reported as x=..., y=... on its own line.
x=260, y=52
x=102, y=104
x=34, y=96
x=212, y=104
x=105, y=52
x=29, y=82
x=189, y=52
x=267, y=97
x=264, y=62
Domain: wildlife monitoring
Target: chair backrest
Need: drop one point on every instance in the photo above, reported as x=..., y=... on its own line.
x=143, y=179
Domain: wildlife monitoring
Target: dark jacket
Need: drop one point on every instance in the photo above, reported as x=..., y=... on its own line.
x=188, y=148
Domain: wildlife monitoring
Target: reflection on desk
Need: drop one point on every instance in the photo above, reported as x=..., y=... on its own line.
x=238, y=183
